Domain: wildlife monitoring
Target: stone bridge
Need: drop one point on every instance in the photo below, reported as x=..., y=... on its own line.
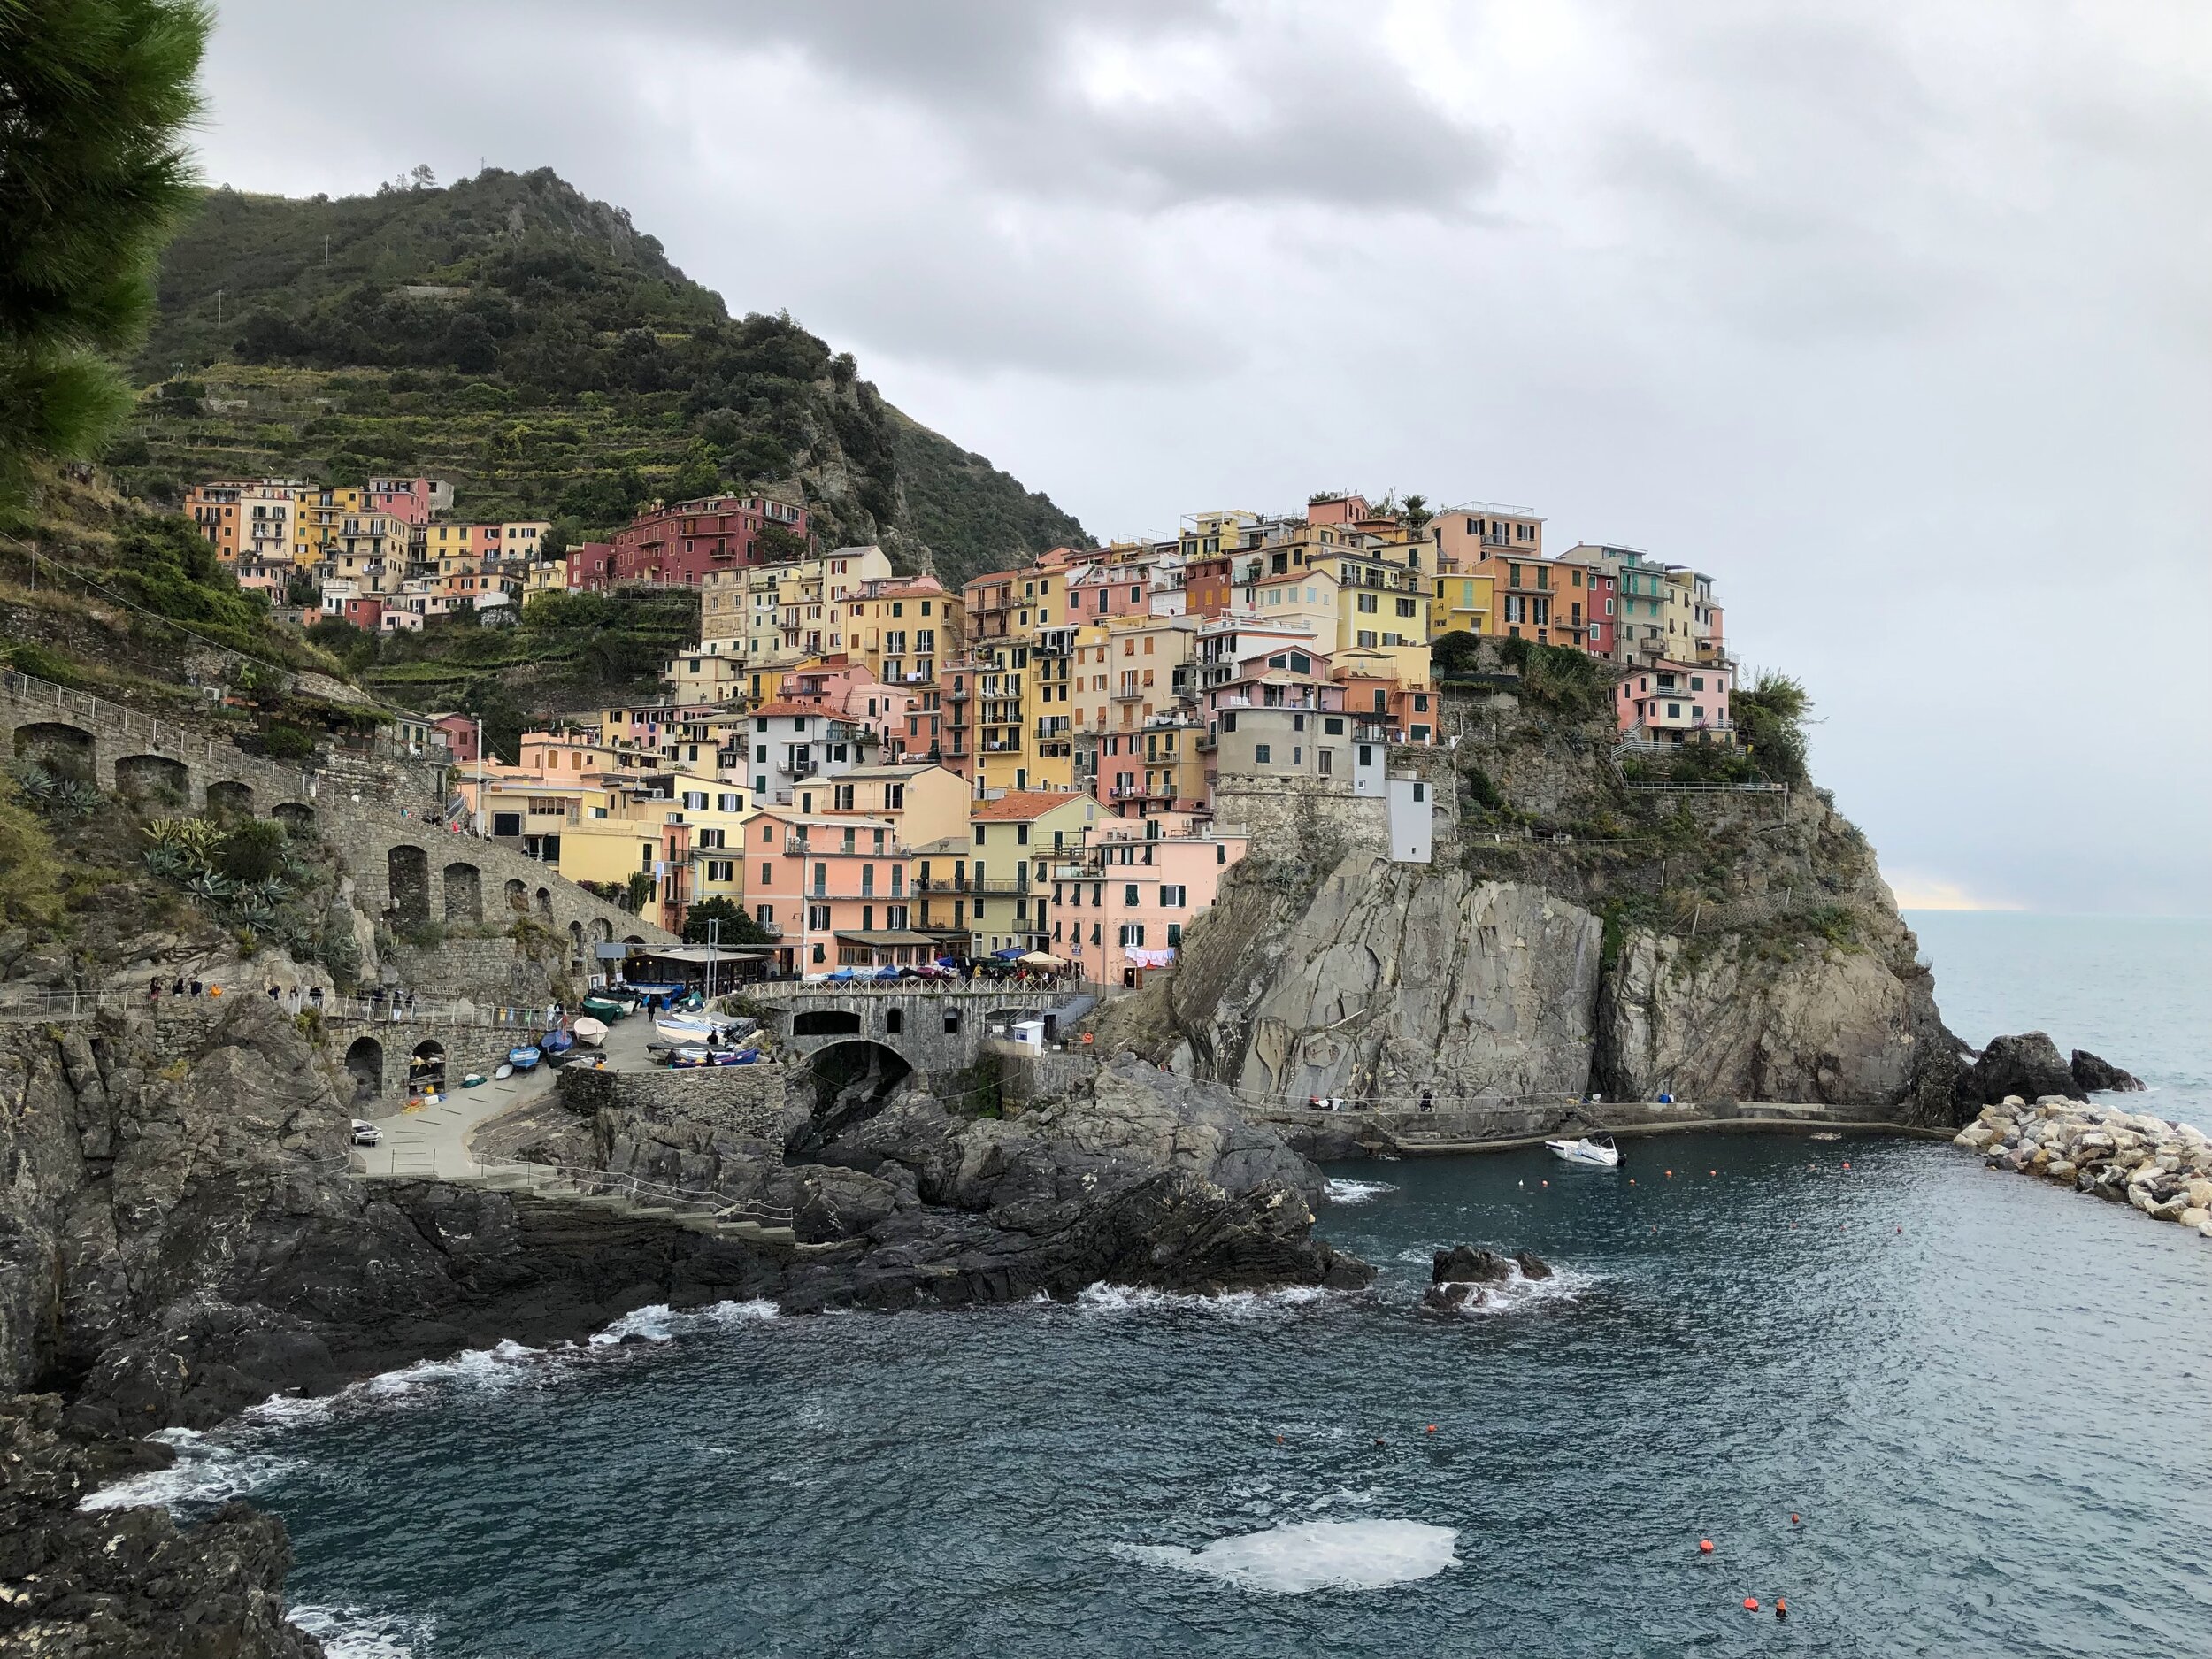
x=934, y=1030
x=383, y=820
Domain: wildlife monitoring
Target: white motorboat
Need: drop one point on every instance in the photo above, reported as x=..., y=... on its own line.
x=1598, y=1150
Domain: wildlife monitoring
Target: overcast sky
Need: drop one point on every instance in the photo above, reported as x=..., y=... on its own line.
x=1893, y=316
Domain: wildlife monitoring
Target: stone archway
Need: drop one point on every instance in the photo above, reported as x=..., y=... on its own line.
x=464, y=893
x=425, y=1068
x=55, y=743
x=364, y=1064
x=545, y=904
x=576, y=942
x=852, y=1080
x=296, y=816
x=407, y=872
x=825, y=1022
x=518, y=897
x=602, y=931
x=154, y=778
x=228, y=798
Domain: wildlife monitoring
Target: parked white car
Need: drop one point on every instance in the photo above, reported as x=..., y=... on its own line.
x=366, y=1133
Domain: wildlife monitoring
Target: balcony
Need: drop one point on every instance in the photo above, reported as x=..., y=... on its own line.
x=799, y=847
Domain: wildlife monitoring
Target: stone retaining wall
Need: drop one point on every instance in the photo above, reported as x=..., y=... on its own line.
x=742, y=1100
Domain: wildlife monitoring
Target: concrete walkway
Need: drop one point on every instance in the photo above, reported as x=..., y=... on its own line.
x=437, y=1140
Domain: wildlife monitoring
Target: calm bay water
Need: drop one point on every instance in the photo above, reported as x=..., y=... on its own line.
x=1985, y=1399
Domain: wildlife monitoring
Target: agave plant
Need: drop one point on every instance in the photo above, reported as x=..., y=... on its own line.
x=211, y=886
x=169, y=864
x=193, y=838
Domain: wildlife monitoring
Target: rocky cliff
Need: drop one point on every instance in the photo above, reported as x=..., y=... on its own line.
x=1573, y=934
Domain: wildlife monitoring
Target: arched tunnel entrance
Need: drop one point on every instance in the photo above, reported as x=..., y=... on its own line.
x=364, y=1064
x=852, y=1082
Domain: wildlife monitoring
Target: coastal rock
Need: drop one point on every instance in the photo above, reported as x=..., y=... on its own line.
x=127, y=1582
x=2028, y=1065
x=2095, y=1076
x=1465, y=1264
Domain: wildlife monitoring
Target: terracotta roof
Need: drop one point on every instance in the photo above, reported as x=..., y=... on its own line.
x=786, y=707
x=1023, y=803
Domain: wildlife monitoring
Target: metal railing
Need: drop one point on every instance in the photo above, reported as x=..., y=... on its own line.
x=30, y=1006
x=173, y=741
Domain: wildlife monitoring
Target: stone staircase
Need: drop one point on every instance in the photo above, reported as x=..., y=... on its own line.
x=707, y=1214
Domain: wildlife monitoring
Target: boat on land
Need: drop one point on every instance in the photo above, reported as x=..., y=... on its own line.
x=609, y=1008
x=522, y=1059
x=555, y=1043
x=473, y=1079
x=504, y=1072
x=1597, y=1150
x=589, y=1032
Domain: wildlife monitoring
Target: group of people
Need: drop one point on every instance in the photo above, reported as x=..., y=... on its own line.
x=180, y=987
x=1338, y=1104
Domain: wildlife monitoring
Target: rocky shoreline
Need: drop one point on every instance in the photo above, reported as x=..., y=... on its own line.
x=2162, y=1167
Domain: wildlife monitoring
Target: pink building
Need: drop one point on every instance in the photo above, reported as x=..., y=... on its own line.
x=590, y=566
x=410, y=500
x=366, y=614
x=1120, y=909
x=858, y=695
x=1668, y=701
x=460, y=734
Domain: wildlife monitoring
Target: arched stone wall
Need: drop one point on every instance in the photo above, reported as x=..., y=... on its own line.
x=56, y=743
x=230, y=798
x=407, y=882
x=463, y=892
x=154, y=778
x=364, y=1064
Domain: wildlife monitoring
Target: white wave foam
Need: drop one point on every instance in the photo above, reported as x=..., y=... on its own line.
x=1516, y=1293
x=350, y=1633
x=1337, y=1190
x=657, y=1324
x=1105, y=1299
x=1315, y=1555
x=500, y=1366
x=206, y=1473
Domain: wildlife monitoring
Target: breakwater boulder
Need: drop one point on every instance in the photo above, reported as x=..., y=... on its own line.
x=2163, y=1169
x=1463, y=1279
x=2028, y=1065
x=2101, y=1077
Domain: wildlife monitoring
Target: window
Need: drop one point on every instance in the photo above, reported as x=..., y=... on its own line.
x=1174, y=935
x=894, y=1021
x=1674, y=710
x=1367, y=604
x=1697, y=683
x=978, y=837
x=1328, y=759
x=842, y=796
x=1405, y=607
x=729, y=803
x=720, y=869
x=1228, y=722
x=1174, y=898
x=1129, y=893
x=1333, y=728
x=1263, y=753
x=695, y=800
x=1021, y=834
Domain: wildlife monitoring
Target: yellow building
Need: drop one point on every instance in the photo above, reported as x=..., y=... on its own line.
x=1465, y=602
x=902, y=628
x=1001, y=717
x=1047, y=712
x=1015, y=840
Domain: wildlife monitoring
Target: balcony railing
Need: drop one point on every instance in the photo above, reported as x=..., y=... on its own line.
x=799, y=847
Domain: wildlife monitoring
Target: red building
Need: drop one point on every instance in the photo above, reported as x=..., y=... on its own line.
x=590, y=566
x=683, y=543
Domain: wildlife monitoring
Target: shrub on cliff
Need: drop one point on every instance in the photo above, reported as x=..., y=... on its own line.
x=1569, y=683
x=1771, y=724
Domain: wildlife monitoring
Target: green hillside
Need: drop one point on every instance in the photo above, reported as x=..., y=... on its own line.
x=529, y=343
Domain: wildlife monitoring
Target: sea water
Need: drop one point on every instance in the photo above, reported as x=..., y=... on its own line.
x=1942, y=1410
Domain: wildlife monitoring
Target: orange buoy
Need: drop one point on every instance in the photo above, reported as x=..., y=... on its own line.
x=1781, y=1608
x=1431, y=1428
x=1712, y=1172
x=1704, y=1546
x=1279, y=1440
x=1794, y=1520
x=1751, y=1604
x=1546, y=1183
x=1847, y=1163
x=1669, y=1174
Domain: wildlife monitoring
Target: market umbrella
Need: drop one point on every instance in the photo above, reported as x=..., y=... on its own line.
x=1043, y=959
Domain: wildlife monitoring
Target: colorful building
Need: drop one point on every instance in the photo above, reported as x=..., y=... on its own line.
x=1670, y=702
x=1121, y=906
x=1016, y=839
x=681, y=545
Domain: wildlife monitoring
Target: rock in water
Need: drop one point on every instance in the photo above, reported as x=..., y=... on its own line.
x=1531, y=1265
x=2095, y=1076
x=2028, y=1065
x=1466, y=1265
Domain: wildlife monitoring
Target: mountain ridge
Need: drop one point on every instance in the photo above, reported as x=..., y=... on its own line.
x=535, y=345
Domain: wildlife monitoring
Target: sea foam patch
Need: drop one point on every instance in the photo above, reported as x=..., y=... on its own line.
x=1315, y=1555
x=352, y=1633
x=1102, y=1298
x=657, y=1324
x=1337, y=1190
x=207, y=1473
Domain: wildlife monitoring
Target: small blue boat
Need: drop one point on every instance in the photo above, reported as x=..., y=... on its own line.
x=522, y=1059
x=555, y=1043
